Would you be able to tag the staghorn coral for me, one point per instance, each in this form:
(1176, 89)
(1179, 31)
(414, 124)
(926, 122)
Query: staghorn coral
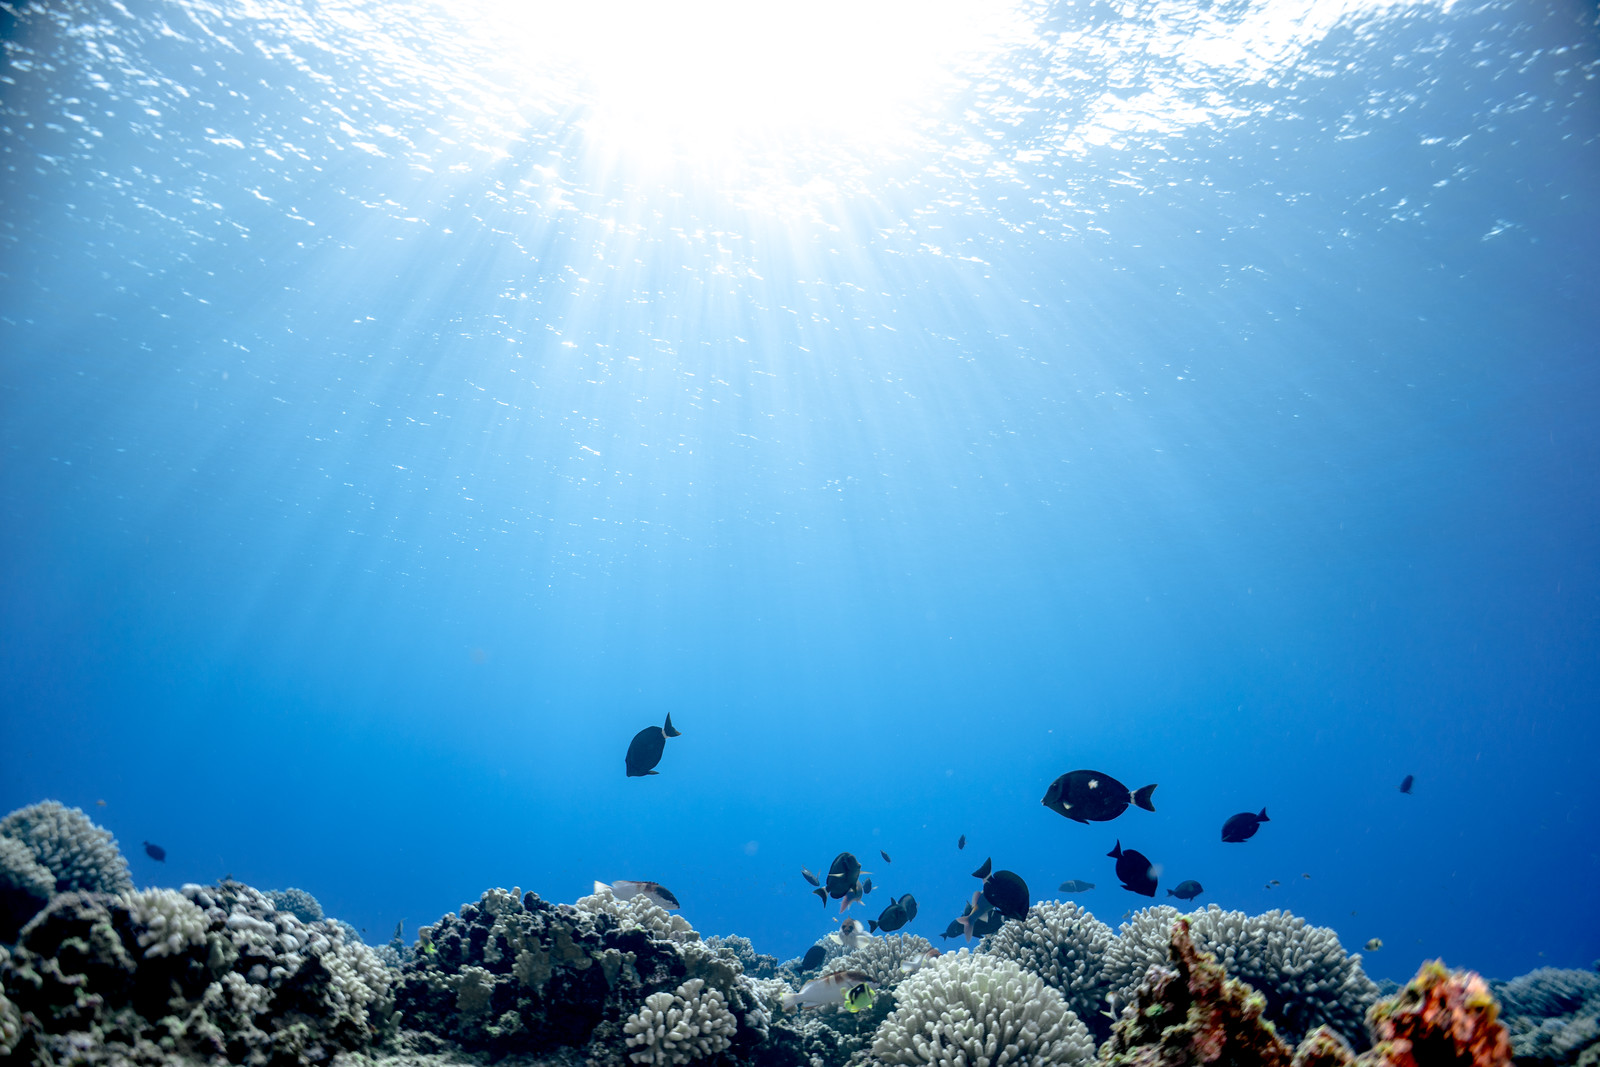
(205, 973)
(977, 1009)
(674, 1028)
(1441, 1018)
(79, 854)
(1064, 945)
(1301, 970)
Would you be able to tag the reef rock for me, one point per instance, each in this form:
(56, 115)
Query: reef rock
(203, 974)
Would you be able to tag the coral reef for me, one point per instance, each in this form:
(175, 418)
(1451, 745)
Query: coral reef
(298, 902)
(202, 973)
(881, 958)
(1441, 1018)
(755, 964)
(1553, 1016)
(25, 887)
(1066, 946)
(81, 855)
(673, 1028)
(513, 974)
(977, 1009)
(1303, 972)
(1190, 1012)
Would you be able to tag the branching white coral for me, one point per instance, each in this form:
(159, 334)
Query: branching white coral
(1301, 969)
(639, 912)
(675, 1028)
(1064, 945)
(169, 922)
(881, 958)
(963, 1009)
(78, 853)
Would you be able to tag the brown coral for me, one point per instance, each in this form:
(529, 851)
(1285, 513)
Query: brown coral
(1193, 1013)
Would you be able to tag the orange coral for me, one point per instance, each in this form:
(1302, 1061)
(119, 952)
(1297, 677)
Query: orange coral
(1441, 1019)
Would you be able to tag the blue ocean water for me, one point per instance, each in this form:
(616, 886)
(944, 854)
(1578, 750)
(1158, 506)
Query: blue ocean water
(405, 404)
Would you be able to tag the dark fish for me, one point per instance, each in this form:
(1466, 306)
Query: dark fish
(808, 876)
(866, 887)
(885, 856)
(1089, 796)
(1075, 886)
(644, 751)
(961, 842)
(1407, 782)
(814, 957)
(909, 903)
(1005, 890)
(1243, 826)
(822, 895)
(978, 919)
(155, 852)
(1137, 873)
(1187, 890)
(892, 918)
(843, 875)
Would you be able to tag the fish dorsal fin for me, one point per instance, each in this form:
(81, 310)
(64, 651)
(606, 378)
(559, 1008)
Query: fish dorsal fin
(667, 729)
(1263, 816)
(983, 872)
(1116, 851)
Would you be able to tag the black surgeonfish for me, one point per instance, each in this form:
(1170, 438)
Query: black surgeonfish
(885, 856)
(892, 918)
(1089, 796)
(909, 903)
(961, 842)
(979, 918)
(1187, 890)
(155, 852)
(644, 751)
(1243, 826)
(842, 876)
(1407, 782)
(814, 957)
(1005, 890)
(1136, 872)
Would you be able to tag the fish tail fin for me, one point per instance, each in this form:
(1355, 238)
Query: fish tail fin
(1170, 893)
(983, 872)
(1263, 816)
(822, 894)
(667, 729)
(790, 1000)
(1142, 797)
(1116, 851)
(600, 887)
(872, 926)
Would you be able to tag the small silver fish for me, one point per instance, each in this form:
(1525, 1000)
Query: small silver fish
(658, 894)
(829, 989)
(919, 961)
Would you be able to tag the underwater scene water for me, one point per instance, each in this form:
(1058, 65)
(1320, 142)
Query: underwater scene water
(408, 404)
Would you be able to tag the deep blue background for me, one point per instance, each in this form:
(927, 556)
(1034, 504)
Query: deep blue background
(357, 515)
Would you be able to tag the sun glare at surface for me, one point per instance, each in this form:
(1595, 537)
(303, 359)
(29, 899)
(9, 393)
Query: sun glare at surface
(717, 76)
